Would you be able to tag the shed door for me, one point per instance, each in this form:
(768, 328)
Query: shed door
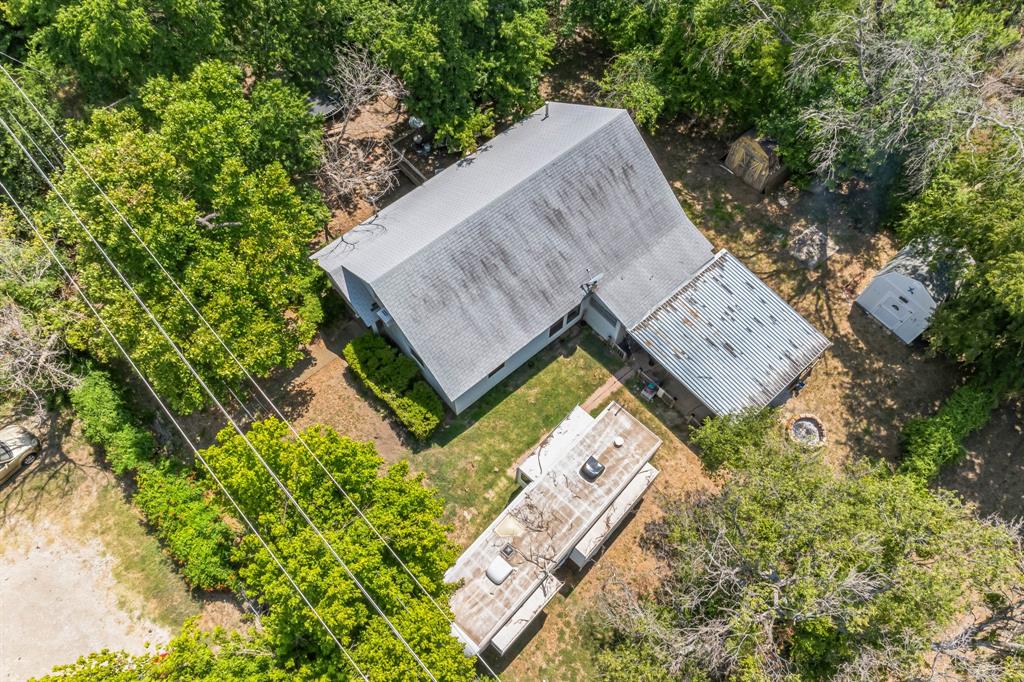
(893, 310)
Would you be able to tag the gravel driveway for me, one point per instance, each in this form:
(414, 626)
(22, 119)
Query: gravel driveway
(58, 600)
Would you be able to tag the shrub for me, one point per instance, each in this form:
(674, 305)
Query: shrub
(728, 439)
(107, 423)
(930, 443)
(188, 523)
(396, 380)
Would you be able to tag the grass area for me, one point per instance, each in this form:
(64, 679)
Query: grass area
(145, 576)
(469, 459)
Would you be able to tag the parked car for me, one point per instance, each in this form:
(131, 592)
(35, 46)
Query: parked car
(18, 449)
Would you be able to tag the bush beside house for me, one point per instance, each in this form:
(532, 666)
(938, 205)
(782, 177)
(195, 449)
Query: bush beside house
(396, 380)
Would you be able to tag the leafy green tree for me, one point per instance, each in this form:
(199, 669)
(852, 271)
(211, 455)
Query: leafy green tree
(226, 221)
(796, 571)
(400, 507)
(192, 656)
(973, 213)
(842, 85)
(466, 63)
(111, 45)
(40, 81)
(734, 439)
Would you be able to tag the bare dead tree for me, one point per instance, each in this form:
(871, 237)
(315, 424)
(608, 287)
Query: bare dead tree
(924, 98)
(358, 79)
(358, 169)
(352, 170)
(33, 364)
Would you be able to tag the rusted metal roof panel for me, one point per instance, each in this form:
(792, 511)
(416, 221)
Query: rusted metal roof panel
(728, 338)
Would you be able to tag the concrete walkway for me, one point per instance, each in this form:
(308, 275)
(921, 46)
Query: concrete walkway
(614, 383)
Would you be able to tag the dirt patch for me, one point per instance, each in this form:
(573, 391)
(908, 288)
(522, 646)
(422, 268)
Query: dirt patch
(319, 389)
(59, 600)
(992, 474)
(78, 571)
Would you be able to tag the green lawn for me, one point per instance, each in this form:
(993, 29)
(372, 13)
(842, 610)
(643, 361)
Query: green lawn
(468, 460)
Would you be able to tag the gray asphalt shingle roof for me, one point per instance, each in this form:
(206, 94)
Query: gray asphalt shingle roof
(918, 261)
(486, 255)
(731, 340)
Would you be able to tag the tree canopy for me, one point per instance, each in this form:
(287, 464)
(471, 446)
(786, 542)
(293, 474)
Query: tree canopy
(111, 45)
(203, 172)
(796, 571)
(467, 64)
(399, 506)
(842, 85)
(973, 215)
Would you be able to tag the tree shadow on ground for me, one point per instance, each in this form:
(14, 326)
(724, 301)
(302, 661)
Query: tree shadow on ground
(992, 474)
(893, 383)
(52, 478)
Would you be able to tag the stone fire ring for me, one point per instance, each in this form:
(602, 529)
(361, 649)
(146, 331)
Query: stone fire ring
(806, 429)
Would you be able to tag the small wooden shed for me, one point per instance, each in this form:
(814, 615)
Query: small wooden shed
(755, 160)
(904, 294)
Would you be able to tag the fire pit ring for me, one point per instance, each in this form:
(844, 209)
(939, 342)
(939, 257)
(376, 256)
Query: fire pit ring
(806, 429)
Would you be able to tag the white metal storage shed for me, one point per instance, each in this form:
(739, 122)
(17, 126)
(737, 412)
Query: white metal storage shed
(904, 294)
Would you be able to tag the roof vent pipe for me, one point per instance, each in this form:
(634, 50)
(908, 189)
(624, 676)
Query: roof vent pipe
(619, 441)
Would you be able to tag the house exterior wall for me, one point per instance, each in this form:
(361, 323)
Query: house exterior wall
(900, 303)
(394, 332)
(602, 321)
(512, 364)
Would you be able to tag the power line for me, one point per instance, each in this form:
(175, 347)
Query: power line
(167, 411)
(235, 359)
(181, 356)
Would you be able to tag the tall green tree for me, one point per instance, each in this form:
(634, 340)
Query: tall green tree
(39, 79)
(796, 571)
(112, 45)
(400, 507)
(972, 213)
(466, 63)
(843, 85)
(204, 173)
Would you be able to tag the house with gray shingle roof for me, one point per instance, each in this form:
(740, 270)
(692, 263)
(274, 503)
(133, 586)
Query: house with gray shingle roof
(563, 218)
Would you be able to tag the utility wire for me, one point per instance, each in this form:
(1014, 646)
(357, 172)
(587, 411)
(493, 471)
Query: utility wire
(181, 356)
(237, 362)
(252, 528)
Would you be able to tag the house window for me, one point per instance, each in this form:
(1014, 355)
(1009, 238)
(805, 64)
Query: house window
(556, 327)
(495, 370)
(573, 314)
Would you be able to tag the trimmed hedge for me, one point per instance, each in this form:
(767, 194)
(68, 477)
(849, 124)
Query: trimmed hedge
(930, 443)
(107, 423)
(189, 525)
(396, 380)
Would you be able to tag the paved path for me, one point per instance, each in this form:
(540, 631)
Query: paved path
(614, 383)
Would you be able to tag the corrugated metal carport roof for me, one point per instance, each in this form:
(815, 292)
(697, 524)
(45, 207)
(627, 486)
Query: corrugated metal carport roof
(728, 338)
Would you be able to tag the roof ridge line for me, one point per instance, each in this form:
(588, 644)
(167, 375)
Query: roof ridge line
(516, 185)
